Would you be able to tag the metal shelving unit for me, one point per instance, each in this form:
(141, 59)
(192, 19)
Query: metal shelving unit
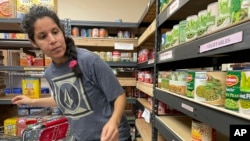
(103, 24)
(192, 55)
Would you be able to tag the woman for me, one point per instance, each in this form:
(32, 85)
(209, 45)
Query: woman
(84, 87)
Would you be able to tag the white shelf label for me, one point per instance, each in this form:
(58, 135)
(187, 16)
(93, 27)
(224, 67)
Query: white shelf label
(222, 42)
(187, 107)
(166, 55)
(146, 115)
(124, 46)
(174, 6)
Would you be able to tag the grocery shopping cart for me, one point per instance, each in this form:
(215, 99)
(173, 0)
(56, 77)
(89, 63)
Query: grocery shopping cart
(54, 128)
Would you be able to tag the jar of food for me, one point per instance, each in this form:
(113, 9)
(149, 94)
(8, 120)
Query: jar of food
(102, 32)
(95, 32)
(75, 32)
(116, 56)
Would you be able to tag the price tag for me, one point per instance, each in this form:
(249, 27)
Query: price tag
(124, 46)
(222, 42)
(146, 115)
(174, 6)
(187, 107)
(166, 55)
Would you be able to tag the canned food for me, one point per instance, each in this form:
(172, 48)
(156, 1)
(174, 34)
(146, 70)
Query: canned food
(95, 32)
(126, 34)
(75, 32)
(83, 33)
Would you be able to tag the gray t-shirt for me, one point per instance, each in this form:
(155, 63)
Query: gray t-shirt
(87, 102)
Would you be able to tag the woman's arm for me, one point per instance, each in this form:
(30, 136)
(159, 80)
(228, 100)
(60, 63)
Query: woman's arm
(119, 107)
(110, 131)
(40, 102)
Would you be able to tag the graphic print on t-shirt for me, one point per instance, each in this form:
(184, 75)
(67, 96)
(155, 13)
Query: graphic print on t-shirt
(70, 95)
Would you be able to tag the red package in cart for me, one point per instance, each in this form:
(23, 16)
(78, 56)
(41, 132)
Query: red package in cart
(24, 123)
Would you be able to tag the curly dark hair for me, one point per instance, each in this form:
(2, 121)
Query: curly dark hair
(37, 12)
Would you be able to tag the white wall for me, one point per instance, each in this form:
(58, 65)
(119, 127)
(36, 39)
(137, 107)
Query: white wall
(102, 10)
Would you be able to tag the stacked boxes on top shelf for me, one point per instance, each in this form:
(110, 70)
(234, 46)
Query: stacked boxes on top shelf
(17, 8)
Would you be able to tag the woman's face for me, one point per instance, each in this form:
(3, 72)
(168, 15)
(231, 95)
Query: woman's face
(50, 39)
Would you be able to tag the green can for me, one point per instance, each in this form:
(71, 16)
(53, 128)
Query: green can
(233, 80)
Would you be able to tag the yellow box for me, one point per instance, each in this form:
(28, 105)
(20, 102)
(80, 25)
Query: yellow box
(23, 6)
(10, 126)
(31, 87)
(47, 60)
(7, 9)
(51, 4)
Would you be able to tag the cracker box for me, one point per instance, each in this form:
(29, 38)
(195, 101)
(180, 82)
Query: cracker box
(10, 126)
(31, 87)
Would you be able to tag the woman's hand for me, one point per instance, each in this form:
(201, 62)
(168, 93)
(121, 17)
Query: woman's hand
(110, 131)
(22, 99)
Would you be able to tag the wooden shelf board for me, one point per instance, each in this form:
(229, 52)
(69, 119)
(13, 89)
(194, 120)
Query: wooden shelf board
(103, 42)
(139, 139)
(147, 33)
(145, 130)
(145, 87)
(179, 125)
(127, 81)
(146, 104)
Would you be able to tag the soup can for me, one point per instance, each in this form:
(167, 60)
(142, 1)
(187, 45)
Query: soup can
(95, 32)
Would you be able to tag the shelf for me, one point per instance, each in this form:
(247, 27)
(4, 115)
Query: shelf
(209, 114)
(234, 52)
(139, 139)
(103, 42)
(149, 13)
(131, 100)
(122, 64)
(102, 24)
(147, 33)
(21, 68)
(13, 25)
(145, 130)
(145, 65)
(144, 102)
(130, 116)
(180, 9)
(7, 99)
(145, 87)
(10, 25)
(174, 127)
(14, 44)
(127, 81)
